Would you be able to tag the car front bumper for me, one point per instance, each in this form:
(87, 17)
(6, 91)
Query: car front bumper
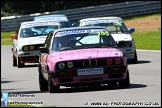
(109, 75)
(29, 56)
(128, 52)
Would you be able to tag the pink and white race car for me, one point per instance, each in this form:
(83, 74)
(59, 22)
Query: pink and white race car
(81, 56)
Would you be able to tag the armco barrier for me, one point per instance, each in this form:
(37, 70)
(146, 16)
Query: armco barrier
(124, 9)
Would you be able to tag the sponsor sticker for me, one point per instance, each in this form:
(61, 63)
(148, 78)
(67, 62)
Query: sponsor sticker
(69, 32)
(39, 24)
(56, 18)
(90, 71)
(101, 21)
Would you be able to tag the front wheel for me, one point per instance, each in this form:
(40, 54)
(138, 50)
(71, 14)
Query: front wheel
(19, 64)
(135, 60)
(125, 83)
(14, 61)
(51, 87)
(43, 84)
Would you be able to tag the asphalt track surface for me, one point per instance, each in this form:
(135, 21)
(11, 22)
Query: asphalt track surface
(145, 87)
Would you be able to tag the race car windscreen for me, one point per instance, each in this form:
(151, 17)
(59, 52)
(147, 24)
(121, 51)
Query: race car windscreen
(82, 38)
(113, 26)
(39, 30)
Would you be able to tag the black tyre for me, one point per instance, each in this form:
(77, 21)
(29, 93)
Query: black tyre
(51, 87)
(19, 64)
(125, 83)
(43, 84)
(14, 61)
(135, 60)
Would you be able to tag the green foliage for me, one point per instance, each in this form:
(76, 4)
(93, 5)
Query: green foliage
(12, 8)
(6, 34)
(148, 40)
(7, 41)
(6, 38)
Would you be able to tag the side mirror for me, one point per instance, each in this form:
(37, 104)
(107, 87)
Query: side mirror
(14, 36)
(131, 30)
(74, 24)
(43, 49)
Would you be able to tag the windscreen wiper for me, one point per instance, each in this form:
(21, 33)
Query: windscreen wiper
(104, 45)
(71, 48)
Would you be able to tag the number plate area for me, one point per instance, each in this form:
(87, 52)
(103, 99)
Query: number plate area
(90, 71)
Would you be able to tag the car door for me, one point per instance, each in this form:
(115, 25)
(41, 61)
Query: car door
(43, 56)
(15, 41)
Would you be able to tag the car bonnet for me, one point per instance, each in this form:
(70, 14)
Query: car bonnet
(32, 40)
(122, 37)
(80, 54)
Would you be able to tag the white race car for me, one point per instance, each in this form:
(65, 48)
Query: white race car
(27, 39)
(119, 31)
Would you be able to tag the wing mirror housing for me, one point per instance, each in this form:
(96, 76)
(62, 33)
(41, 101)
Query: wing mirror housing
(74, 24)
(131, 30)
(43, 49)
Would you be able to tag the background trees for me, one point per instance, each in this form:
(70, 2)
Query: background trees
(10, 8)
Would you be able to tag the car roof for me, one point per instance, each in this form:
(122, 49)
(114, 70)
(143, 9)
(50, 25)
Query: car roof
(52, 17)
(55, 15)
(99, 18)
(81, 27)
(27, 22)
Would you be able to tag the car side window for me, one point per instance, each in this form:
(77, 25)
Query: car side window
(78, 23)
(48, 40)
(17, 29)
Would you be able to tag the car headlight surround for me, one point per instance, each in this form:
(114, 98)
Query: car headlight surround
(25, 48)
(109, 61)
(70, 64)
(117, 61)
(31, 47)
(61, 65)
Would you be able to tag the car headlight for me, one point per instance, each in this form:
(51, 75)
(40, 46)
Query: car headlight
(31, 47)
(70, 64)
(117, 61)
(109, 61)
(25, 48)
(61, 65)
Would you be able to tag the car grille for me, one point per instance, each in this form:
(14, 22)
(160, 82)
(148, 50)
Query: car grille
(88, 63)
(37, 46)
(91, 63)
(122, 44)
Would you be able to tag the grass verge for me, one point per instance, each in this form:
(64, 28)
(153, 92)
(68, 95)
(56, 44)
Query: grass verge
(147, 40)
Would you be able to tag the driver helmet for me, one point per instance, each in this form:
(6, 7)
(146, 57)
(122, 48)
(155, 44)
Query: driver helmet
(28, 32)
(65, 41)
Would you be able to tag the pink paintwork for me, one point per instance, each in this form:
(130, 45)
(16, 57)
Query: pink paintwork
(80, 54)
